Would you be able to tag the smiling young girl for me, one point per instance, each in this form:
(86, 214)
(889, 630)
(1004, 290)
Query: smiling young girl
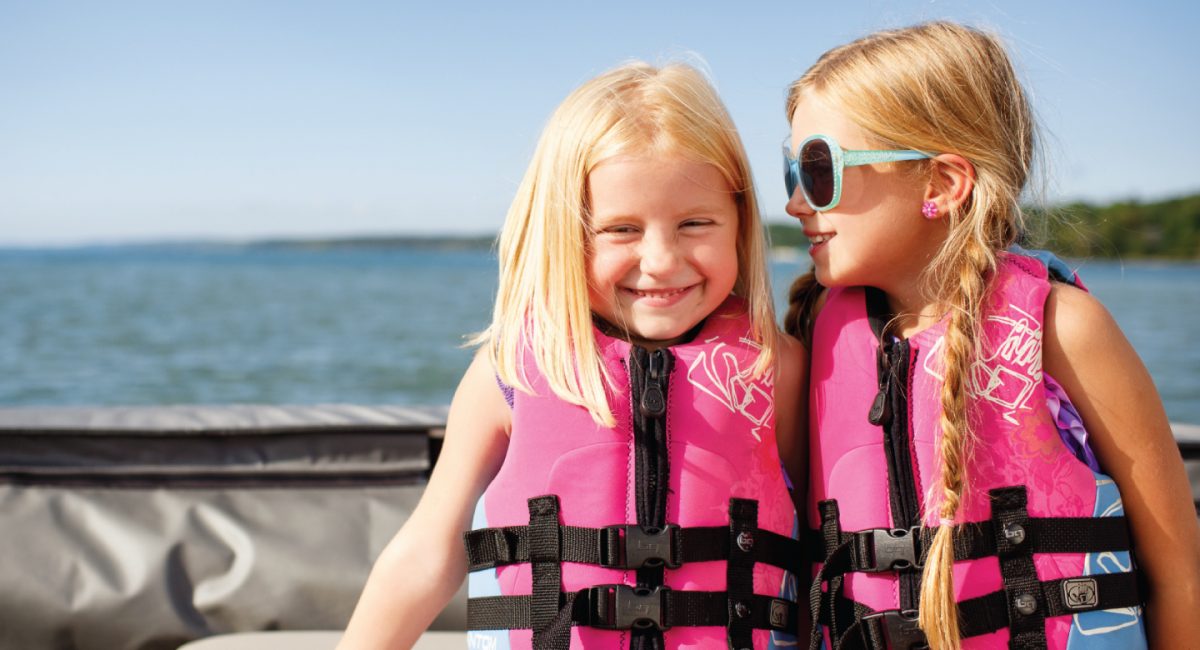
(986, 447)
(617, 438)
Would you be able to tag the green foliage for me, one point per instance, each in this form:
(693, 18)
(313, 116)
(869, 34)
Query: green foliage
(786, 235)
(1129, 229)
(1166, 229)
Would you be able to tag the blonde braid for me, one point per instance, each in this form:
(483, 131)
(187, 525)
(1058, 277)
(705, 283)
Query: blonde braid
(938, 607)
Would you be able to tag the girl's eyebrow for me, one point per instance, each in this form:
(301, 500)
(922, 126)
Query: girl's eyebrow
(700, 209)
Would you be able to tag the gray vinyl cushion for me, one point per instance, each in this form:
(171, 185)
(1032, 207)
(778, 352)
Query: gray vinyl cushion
(145, 528)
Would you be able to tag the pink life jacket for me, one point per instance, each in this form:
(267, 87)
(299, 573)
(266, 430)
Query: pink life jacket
(675, 526)
(1044, 561)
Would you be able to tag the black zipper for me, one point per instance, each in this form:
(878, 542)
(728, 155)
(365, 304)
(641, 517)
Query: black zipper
(893, 388)
(649, 381)
(890, 410)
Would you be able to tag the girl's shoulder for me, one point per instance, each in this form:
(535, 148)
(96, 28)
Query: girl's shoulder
(1075, 321)
(481, 400)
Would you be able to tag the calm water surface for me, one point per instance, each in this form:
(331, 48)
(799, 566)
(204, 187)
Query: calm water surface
(159, 326)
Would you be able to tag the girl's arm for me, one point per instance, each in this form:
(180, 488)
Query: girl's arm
(1128, 430)
(422, 567)
(791, 433)
(791, 412)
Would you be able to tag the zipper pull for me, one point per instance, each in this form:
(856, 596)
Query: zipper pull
(654, 401)
(881, 412)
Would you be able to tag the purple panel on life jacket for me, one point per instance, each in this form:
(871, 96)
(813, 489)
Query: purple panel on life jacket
(1069, 424)
(506, 389)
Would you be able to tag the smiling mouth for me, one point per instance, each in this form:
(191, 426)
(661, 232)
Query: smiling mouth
(658, 293)
(816, 239)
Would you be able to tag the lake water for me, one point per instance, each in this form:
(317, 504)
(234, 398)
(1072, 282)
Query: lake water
(138, 326)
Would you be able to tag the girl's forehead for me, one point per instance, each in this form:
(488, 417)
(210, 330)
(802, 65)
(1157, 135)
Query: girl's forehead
(653, 173)
(625, 186)
(815, 115)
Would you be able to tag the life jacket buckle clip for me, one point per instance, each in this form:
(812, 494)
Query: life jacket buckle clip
(639, 547)
(896, 549)
(622, 607)
(899, 629)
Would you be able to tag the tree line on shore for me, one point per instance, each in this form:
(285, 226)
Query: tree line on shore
(1168, 229)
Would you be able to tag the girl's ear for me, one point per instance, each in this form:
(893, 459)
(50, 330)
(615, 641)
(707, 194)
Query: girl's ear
(951, 181)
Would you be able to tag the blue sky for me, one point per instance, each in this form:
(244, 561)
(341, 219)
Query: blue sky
(125, 121)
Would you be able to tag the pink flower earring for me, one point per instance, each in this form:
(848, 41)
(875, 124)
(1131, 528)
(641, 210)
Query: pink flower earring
(929, 209)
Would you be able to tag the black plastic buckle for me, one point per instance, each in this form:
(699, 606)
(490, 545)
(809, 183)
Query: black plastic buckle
(894, 550)
(644, 547)
(621, 607)
(899, 629)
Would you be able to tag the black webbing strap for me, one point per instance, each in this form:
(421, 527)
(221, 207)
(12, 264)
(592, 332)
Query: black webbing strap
(630, 546)
(822, 604)
(739, 570)
(545, 557)
(621, 607)
(834, 564)
(876, 548)
(893, 629)
(1011, 534)
(1026, 611)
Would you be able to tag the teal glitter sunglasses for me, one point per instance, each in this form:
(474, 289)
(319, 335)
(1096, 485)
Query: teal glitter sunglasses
(817, 170)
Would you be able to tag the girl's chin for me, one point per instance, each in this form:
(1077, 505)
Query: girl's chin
(822, 275)
(654, 340)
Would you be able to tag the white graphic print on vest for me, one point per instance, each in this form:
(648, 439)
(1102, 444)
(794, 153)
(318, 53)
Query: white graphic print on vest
(718, 373)
(1009, 374)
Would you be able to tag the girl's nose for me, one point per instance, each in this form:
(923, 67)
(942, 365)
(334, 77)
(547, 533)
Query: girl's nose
(797, 206)
(659, 254)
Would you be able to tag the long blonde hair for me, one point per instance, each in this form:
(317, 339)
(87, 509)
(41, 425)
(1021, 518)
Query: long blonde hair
(946, 88)
(542, 299)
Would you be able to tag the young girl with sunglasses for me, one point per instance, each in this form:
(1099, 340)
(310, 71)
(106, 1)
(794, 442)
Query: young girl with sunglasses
(616, 436)
(986, 447)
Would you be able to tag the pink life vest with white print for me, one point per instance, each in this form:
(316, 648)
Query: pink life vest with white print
(1042, 547)
(674, 526)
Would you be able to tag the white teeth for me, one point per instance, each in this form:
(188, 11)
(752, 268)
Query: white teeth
(658, 294)
(819, 239)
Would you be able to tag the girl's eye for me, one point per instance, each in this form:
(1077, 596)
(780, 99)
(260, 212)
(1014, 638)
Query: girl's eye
(697, 223)
(619, 230)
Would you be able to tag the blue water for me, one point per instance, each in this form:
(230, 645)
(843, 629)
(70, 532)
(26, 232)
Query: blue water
(107, 327)
(127, 326)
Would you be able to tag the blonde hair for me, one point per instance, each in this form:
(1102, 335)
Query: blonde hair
(542, 298)
(945, 88)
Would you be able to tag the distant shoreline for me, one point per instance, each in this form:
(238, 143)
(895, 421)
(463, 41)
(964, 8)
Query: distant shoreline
(787, 245)
(383, 242)
(1161, 231)
(447, 243)
(1166, 230)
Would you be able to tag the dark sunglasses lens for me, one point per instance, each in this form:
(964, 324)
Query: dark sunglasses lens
(816, 171)
(790, 179)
